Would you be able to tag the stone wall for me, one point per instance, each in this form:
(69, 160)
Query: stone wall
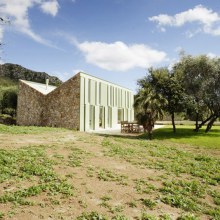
(63, 105)
(60, 108)
(30, 106)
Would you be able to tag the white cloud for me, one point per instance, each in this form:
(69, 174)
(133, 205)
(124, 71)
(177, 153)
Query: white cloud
(212, 55)
(118, 56)
(206, 18)
(17, 11)
(50, 7)
(162, 19)
(215, 31)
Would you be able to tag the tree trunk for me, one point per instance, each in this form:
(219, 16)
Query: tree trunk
(150, 135)
(149, 129)
(209, 125)
(203, 122)
(197, 122)
(173, 122)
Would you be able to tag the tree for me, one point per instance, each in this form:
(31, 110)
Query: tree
(148, 106)
(166, 84)
(9, 102)
(212, 97)
(199, 77)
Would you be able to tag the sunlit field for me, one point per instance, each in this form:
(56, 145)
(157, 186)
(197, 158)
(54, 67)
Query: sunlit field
(186, 135)
(52, 173)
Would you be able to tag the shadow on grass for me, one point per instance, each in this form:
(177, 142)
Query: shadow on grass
(167, 133)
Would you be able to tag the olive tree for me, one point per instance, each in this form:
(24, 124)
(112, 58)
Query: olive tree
(199, 76)
(168, 86)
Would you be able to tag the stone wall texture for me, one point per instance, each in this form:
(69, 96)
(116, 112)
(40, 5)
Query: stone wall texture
(60, 108)
(30, 106)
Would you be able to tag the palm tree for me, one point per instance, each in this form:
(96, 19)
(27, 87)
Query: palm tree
(148, 106)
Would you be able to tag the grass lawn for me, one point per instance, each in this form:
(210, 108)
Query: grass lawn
(52, 173)
(4, 129)
(186, 135)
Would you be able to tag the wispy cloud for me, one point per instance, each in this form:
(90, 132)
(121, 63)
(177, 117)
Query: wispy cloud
(68, 37)
(1, 33)
(207, 20)
(18, 12)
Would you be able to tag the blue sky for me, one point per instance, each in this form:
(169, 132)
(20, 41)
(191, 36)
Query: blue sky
(116, 40)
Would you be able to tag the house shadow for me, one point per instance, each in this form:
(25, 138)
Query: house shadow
(184, 133)
(126, 136)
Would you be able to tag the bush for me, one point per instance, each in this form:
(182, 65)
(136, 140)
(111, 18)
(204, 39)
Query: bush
(7, 120)
(8, 103)
(9, 111)
(9, 99)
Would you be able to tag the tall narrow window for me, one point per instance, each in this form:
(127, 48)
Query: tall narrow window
(113, 96)
(119, 97)
(89, 90)
(107, 95)
(101, 117)
(109, 117)
(96, 93)
(100, 91)
(91, 117)
(110, 95)
(120, 115)
(128, 99)
(116, 96)
(125, 95)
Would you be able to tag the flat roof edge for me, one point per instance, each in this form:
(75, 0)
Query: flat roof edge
(83, 73)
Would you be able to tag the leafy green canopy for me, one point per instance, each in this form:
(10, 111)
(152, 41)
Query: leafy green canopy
(190, 87)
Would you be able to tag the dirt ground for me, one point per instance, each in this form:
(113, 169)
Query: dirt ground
(93, 190)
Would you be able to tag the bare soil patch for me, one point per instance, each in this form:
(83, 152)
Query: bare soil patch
(112, 176)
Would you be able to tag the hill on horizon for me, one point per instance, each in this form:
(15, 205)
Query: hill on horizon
(9, 77)
(11, 73)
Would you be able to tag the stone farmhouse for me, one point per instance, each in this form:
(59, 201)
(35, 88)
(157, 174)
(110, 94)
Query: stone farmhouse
(84, 103)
